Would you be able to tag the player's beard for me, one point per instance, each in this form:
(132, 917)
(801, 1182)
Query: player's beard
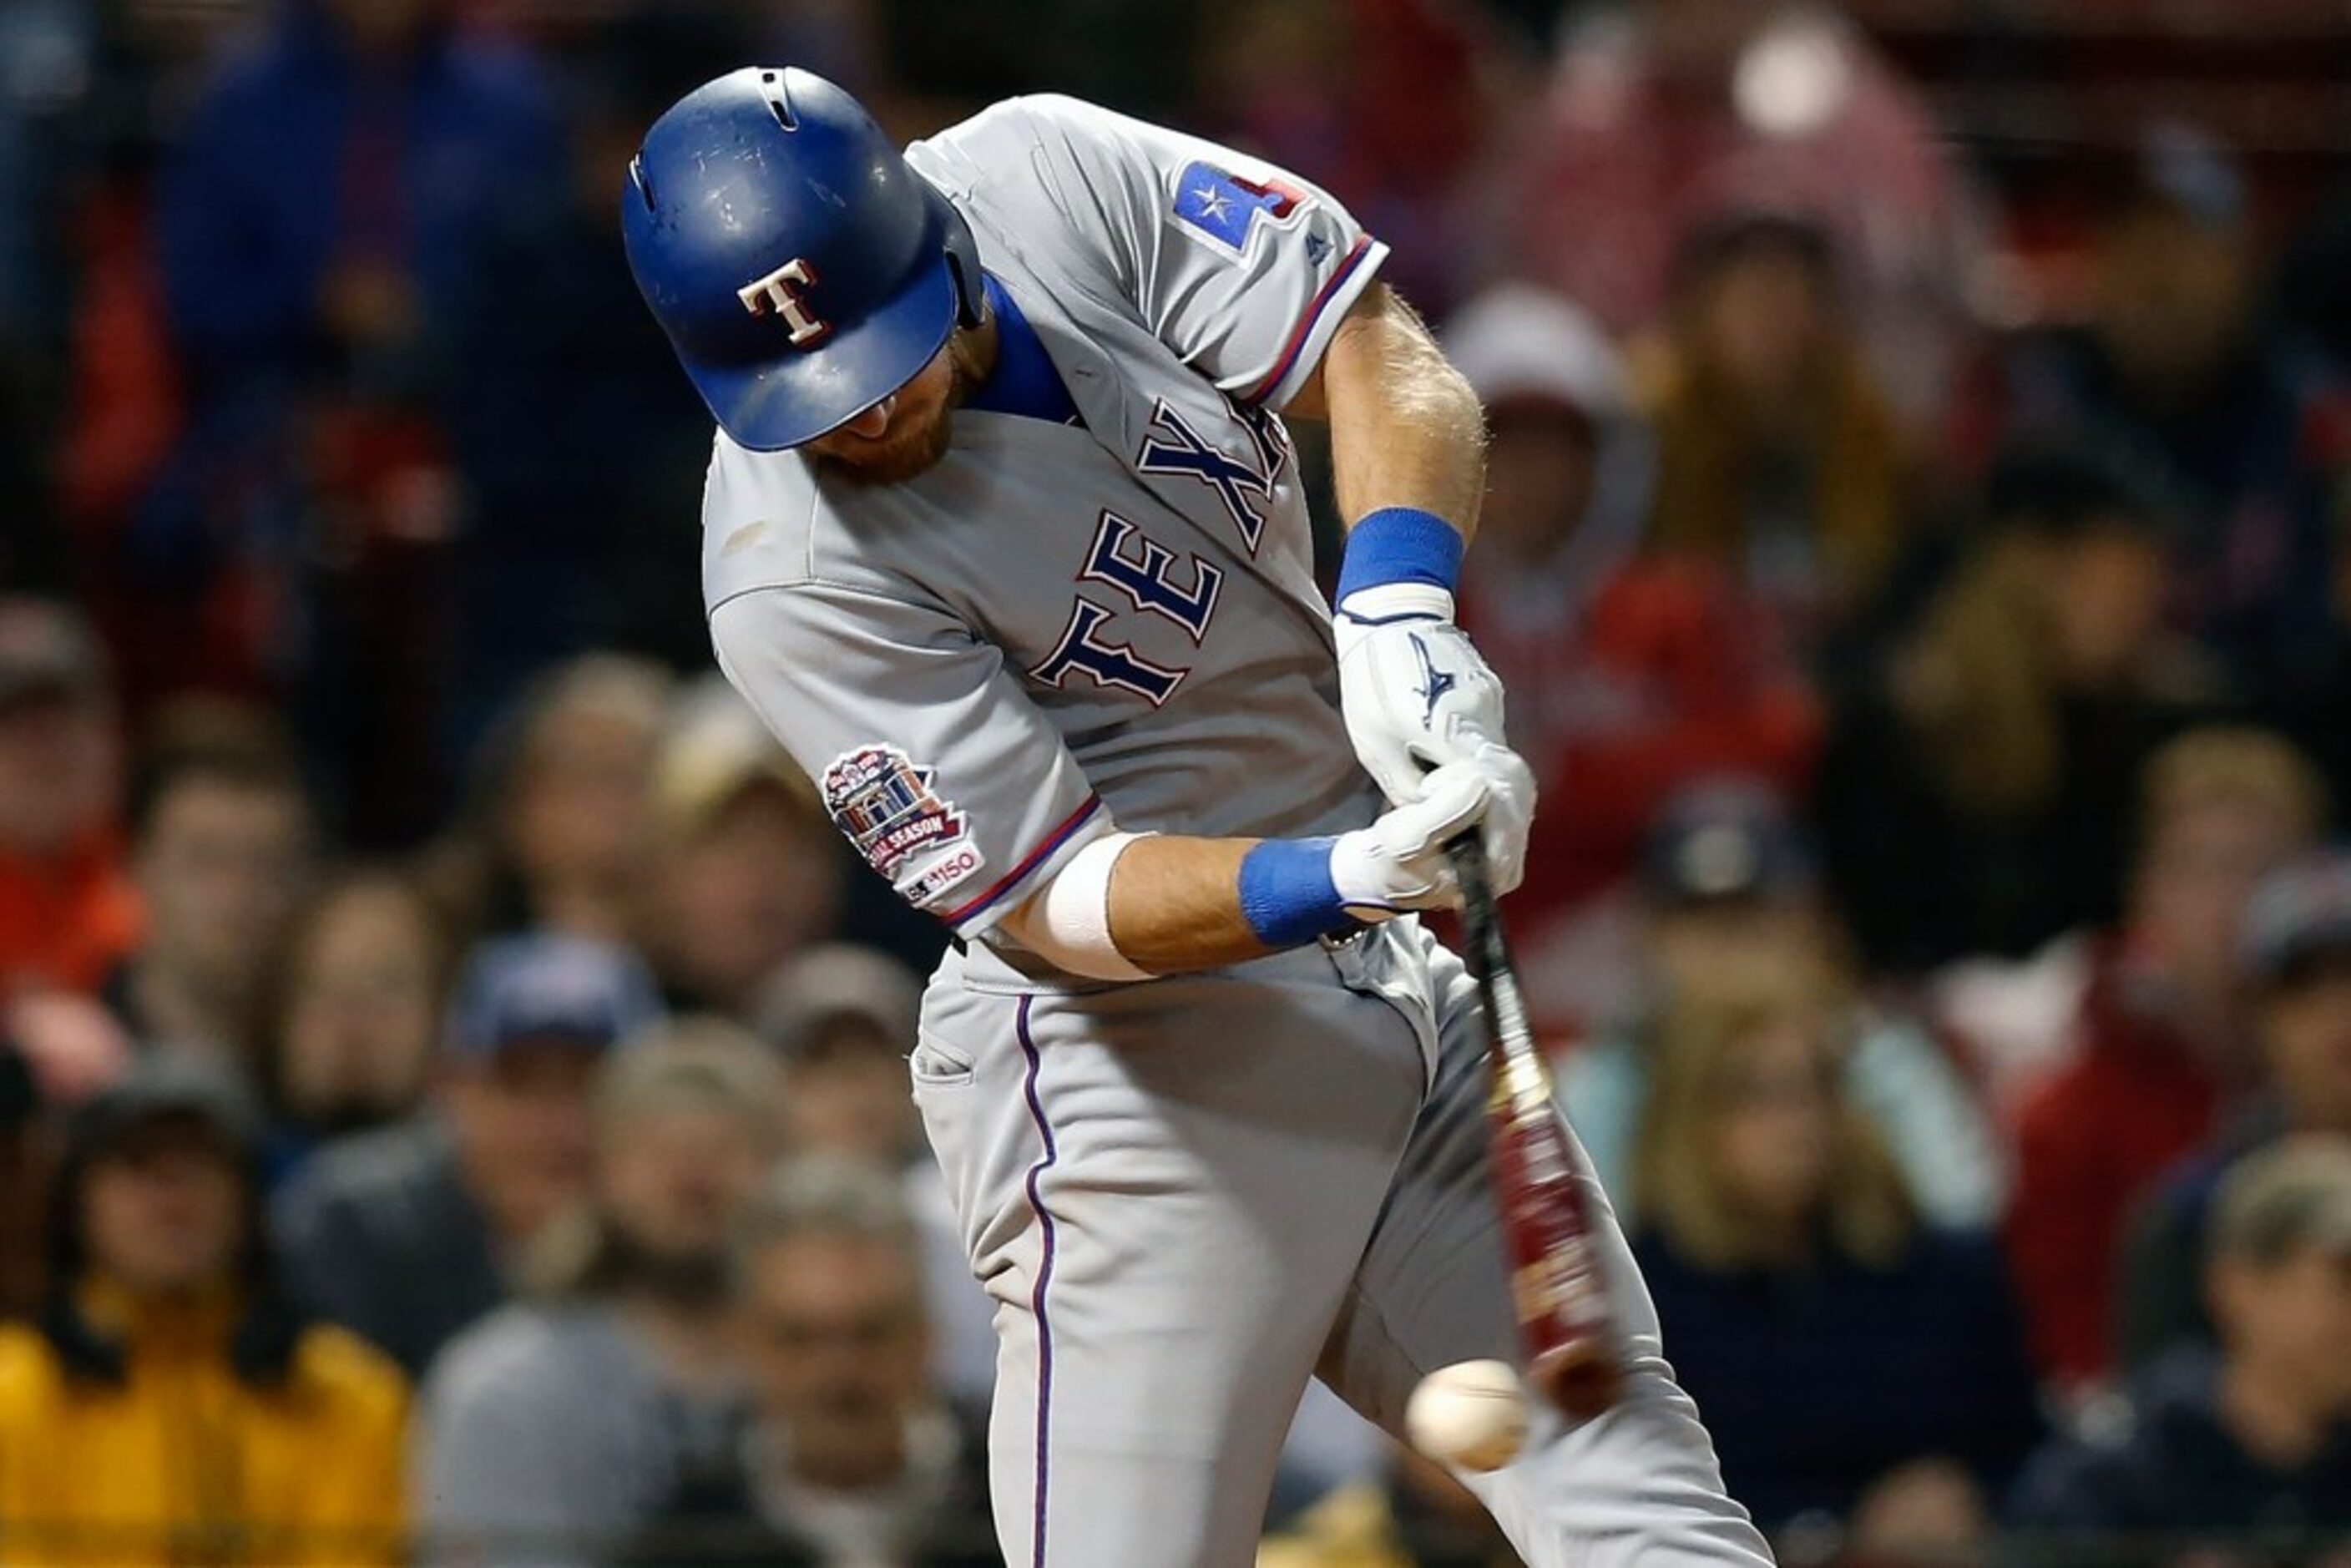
(910, 449)
(915, 445)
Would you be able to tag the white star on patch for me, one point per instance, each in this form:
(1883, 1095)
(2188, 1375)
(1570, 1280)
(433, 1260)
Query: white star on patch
(1214, 204)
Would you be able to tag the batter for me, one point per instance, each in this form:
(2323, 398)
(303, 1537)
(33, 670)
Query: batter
(1005, 539)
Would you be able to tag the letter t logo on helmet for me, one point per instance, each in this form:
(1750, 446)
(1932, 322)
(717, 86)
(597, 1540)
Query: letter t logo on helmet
(779, 178)
(780, 292)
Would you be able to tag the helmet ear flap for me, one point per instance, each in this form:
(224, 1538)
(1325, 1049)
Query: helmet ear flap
(963, 265)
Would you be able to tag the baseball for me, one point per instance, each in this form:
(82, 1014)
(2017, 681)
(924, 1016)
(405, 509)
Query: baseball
(1472, 1414)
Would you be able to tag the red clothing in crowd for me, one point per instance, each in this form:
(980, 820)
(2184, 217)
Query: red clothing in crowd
(1629, 151)
(1664, 675)
(64, 924)
(1390, 124)
(2135, 1097)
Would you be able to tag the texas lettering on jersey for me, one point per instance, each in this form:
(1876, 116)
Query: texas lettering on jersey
(1142, 571)
(1174, 446)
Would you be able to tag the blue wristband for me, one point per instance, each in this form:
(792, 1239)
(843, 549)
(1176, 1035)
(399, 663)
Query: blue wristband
(1401, 544)
(1286, 895)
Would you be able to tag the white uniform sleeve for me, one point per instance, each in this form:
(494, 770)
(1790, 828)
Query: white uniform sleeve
(1241, 268)
(928, 755)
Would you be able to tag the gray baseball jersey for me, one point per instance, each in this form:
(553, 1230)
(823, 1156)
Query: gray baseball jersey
(1187, 1196)
(1059, 625)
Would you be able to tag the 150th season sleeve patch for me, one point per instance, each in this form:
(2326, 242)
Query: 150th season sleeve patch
(885, 802)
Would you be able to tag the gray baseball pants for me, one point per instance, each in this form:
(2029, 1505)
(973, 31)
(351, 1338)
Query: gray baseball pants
(1188, 1197)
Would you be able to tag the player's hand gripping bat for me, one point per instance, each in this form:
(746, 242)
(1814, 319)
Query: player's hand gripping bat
(1556, 1284)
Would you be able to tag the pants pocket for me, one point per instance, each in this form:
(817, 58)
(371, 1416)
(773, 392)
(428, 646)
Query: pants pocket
(935, 1064)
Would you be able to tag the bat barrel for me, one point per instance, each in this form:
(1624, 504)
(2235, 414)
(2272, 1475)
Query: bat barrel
(1557, 1288)
(1580, 1379)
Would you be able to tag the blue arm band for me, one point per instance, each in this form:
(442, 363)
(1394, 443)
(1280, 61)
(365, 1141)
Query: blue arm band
(1401, 544)
(1286, 895)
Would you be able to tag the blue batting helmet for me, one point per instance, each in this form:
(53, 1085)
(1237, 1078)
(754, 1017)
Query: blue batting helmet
(802, 270)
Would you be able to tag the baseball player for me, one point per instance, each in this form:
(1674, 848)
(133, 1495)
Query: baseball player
(1005, 539)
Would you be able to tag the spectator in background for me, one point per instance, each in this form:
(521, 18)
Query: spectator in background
(556, 834)
(2176, 365)
(45, 91)
(1631, 672)
(409, 1234)
(572, 542)
(2296, 953)
(1389, 102)
(1729, 891)
(557, 1425)
(2158, 1039)
(1967, 795)
(1850, 1361)
(2308, 701)
(747, 867)
(322, 200)
(2252, 1445)
(22, 1183)
(49, 45)
(851, 1456)
(67, 912)
(842, 1019)
(1779, 459)
(350, 1018)
(320, 218)
(1661, 113)
(221, 841)
(170, 1398)
(58, 1052)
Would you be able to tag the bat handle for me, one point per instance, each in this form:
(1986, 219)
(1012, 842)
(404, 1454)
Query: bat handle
(1467, 850)
(1480, 922)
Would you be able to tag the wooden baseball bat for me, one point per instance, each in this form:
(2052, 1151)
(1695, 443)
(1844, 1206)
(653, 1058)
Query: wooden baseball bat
(1556, 1285)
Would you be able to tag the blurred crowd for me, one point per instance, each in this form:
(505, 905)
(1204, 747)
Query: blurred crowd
(453, 1102)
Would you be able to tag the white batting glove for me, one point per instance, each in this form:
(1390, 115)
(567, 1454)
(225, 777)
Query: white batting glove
(1399, 861)
(1416, 694)
(1386, 675)
(1511, 815)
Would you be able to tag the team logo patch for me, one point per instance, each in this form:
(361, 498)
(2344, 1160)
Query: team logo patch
(1221, 207)
(885, 802)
